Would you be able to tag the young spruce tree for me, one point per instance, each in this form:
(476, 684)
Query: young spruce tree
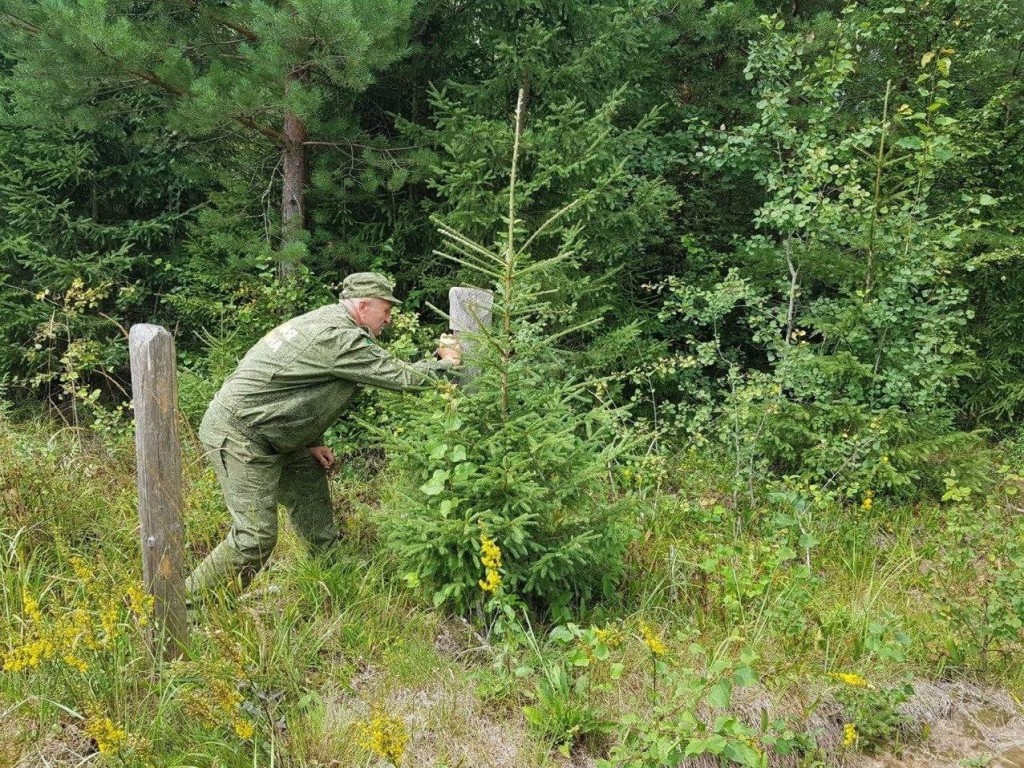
(518, 456)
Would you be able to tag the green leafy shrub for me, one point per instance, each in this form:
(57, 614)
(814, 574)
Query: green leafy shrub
(805, 360)
(978, 586)
(696, 716)
(575, 668)
(872, 714)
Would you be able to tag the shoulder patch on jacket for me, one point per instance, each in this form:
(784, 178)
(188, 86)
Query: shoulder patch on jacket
(280, 336)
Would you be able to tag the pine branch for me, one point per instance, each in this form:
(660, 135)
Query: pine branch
(152, 78)
(469, 245)
(22, 24)
(245, 32)
(566, 331)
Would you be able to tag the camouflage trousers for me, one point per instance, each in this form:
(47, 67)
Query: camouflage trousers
(255, 480)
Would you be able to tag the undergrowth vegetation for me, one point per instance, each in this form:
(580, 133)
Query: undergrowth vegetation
(790, 629)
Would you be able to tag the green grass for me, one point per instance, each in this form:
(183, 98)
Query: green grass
(285, 675)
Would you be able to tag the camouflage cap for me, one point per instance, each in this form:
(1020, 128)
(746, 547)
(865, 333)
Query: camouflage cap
(368, 285)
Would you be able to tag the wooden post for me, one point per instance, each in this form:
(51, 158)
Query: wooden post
(469, 310)
(158, 457)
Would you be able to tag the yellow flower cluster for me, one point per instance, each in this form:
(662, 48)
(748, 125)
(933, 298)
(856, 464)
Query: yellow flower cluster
(77, 663)
(211, 693)
(112, 739)
(490, 556)
(32, 612)
(94, 618)
(82, 571)
(610, 636)
(140, 603)
(28, 656)
(243, 728)
(215, 703)
(849, 735)
(853, 679)
(218, 704)
(651, 640)
(383, 735)
(108, 737)
(869, 500)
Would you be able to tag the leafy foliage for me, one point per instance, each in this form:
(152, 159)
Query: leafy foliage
(839, 338)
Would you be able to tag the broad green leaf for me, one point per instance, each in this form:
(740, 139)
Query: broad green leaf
(742, 753)
(435, 484)
(721, 694)
(744, 676)
(696, 747)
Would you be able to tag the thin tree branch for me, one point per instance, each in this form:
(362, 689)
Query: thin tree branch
(245, 32)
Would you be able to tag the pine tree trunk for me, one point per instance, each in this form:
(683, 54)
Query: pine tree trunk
(293, 193)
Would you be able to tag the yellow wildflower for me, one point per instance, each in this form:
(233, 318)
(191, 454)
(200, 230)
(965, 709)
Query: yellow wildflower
(140, 603)
(383, 735)
(868, 501)
(108, 737)
(492, 582)
(28, 656)
(225, 697)
(651, 640)
(32, 612)
(849, 735)
(109, 622)
(75, 662)
(610, 636)
(76, 627)
(853, 679)
(82, 571)
(490, 557)
(243, 728)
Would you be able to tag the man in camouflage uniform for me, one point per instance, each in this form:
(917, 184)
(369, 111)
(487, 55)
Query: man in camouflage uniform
(264, 429)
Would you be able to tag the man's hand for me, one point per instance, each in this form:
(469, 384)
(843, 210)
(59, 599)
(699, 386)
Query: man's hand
(449, 349)
(450, 353)
(323, 454)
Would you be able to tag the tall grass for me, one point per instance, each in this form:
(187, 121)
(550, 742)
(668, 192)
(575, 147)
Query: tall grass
(323, 651)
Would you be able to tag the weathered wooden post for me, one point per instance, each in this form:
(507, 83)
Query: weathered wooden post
(469, 310)
(158, 457)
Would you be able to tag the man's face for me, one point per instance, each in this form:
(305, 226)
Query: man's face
(375, 314)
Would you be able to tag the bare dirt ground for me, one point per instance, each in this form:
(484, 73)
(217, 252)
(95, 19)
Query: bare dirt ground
(968, 727)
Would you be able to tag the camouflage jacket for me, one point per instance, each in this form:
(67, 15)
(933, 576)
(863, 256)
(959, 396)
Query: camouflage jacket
(296, 381)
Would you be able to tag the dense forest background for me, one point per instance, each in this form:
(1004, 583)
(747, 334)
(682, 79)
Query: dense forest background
(805, 218)
(749, 417)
